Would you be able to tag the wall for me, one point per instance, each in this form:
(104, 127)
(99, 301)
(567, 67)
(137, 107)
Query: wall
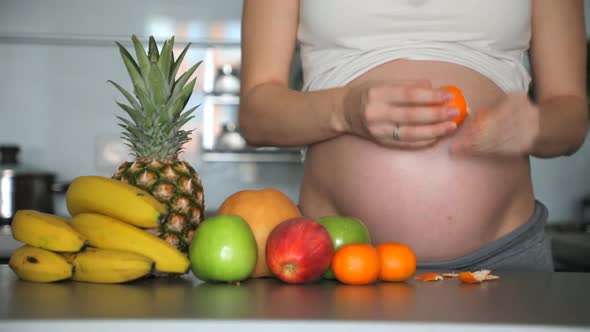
(55, 59)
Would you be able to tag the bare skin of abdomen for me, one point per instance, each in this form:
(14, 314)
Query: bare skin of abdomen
(443, 205)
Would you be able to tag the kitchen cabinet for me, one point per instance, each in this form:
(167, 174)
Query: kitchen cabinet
(519, 301)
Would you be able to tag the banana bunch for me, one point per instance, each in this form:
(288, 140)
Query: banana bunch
(105, 241)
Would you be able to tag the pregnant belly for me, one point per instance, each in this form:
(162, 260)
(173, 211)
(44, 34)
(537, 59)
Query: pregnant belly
(444, 206)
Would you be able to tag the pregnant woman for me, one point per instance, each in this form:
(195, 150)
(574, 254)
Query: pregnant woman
(380, 143)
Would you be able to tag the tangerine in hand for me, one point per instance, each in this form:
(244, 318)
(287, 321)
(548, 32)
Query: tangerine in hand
(458, 102)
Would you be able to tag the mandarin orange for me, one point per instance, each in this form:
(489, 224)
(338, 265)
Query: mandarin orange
(356, 264)
(458, 102)
(397, 261)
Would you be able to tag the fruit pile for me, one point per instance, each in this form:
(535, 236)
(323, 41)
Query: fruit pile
(280, 242)
(104, 241)
(110, 238)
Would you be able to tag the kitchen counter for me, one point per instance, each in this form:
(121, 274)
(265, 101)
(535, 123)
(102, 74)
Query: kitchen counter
(517, 302)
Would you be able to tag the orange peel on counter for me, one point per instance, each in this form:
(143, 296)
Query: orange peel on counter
(477, 277)
(468, 277)
(429, 276)
(450, 275)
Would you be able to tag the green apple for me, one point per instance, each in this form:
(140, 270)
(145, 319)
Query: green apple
(344, 230)
(223, 248)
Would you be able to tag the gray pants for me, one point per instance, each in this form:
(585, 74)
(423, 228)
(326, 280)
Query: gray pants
(524, 249)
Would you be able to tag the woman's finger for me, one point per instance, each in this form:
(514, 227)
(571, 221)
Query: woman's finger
(422, 115)
(418, 83)
(406, 133)
(424, 132)
(402, 94)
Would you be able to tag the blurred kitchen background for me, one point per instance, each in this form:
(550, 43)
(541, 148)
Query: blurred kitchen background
(56, 106)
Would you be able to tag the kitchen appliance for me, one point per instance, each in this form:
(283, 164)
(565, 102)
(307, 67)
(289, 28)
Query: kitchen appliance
(227, 81)
(23, 187)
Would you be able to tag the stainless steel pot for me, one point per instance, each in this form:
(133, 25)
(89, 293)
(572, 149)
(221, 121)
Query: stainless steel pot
(22, 187)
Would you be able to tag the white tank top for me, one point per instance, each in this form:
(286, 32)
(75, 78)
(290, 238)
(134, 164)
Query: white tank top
(342, 39)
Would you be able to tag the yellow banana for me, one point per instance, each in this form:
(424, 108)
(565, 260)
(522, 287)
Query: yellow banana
(39, 265)
(46, 231)
(109, 233)
(108, 265)
(114, 198)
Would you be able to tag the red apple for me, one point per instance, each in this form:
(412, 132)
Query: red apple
(299, 250)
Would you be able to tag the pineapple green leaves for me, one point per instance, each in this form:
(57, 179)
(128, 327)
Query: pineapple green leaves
(157, 112)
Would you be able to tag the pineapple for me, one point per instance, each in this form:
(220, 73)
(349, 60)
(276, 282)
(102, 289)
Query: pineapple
(154, 136)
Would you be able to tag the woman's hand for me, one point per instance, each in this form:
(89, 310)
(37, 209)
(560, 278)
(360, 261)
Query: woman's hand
(403, 115)
(507, 129)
